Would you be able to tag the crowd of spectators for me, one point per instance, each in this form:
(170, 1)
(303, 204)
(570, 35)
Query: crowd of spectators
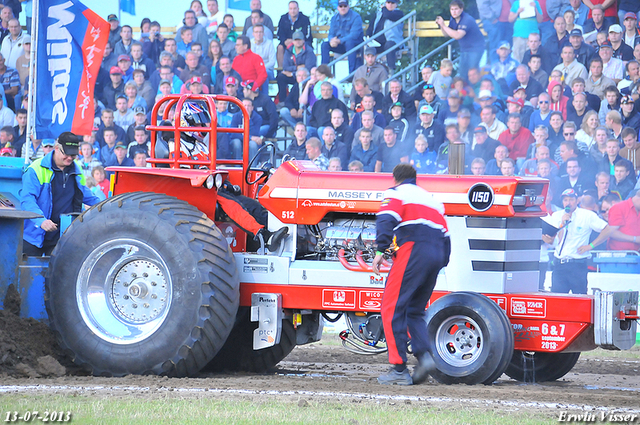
(557, 97)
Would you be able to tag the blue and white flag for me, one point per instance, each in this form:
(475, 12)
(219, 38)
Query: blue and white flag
(70, 45)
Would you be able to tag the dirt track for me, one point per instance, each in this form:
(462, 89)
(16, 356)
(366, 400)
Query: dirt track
(31, 362)
(328, 371)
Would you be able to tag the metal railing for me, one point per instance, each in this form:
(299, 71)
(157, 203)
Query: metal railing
(414, 68)
(410, 39)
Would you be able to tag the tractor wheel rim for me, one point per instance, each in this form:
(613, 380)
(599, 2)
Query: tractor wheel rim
(459, 341)
(124, 291)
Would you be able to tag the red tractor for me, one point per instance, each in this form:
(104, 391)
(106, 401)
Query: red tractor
(157, 280)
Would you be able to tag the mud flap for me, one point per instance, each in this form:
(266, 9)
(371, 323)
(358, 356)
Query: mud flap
(266, 309)
(610, 331)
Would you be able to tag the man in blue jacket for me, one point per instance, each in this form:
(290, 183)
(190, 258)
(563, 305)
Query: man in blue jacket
(345, 33)
(52, 186)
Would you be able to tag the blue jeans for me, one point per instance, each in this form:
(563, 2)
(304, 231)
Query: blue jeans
(264, 129)
(270, 77)
(315, 132)
(341, 48)
(236, 146)
(392, 56)
(285, 114)
(505, 33)
(468, 60)
(493, 38)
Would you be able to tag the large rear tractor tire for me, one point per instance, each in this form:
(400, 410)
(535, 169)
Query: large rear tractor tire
(238, 354)
(471, 339)
(142, 283)
(540, 366)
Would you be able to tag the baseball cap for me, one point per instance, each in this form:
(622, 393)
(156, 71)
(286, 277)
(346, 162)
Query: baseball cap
(124, 58)
(518, 102)
(630, 15)
(615, 28)
(195, 80)
(164, 82)
(116, 70)
(69, 142)
(139, 110)
(230, 81)
(6, 152)
(480, 129)
(464, 113)
(606, 43)
(454, 93)
(340, 2)
(426, 109)
(48, 142)
(576, 32)
(112, 17)
(626, 99)
(121, 144)
(396, 104)
(569, 192)
(26, 39)
(248, 84)
(370, 51)
(504, 45)
(297, 35)
(485, 94)
(122, 96)
(517, 89)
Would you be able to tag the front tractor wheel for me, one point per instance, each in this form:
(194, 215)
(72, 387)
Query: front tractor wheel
(471, 339)
(142, 283)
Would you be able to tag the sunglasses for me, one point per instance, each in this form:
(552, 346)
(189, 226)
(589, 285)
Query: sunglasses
(543, 101)
(569, 134)
(343, 5)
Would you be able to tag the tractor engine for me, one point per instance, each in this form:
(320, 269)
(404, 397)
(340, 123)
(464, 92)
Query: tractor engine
(354, 235)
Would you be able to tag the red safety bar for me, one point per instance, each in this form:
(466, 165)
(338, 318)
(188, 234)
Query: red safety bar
(176, 100)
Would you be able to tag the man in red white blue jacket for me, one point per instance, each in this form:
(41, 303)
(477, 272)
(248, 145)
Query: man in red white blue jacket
(417, 221)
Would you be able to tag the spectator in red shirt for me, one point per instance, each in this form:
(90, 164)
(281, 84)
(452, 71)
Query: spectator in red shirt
(624, 221)
(516, 137)
(249, 65)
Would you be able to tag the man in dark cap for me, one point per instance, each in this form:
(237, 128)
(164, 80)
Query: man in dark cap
(298, 55)
(573, 227)
(114, 29)
(374, 72)
(583, 51)
(52, 186)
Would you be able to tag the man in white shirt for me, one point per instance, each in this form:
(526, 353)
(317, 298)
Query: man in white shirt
(7, 117)
(612, 67)
(494, 126)
(570, 67)
(123, 116)
(12, 44)
(576, 225)
(264, 48)
(216, 17)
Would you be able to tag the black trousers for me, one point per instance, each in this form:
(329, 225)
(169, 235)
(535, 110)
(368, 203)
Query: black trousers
(571, 276)
(31, 250)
